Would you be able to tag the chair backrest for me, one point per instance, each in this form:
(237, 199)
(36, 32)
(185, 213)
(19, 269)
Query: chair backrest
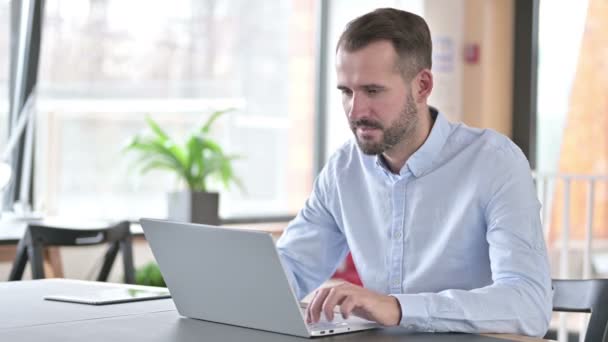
(585, 296)
(54, 235)
(40, 234)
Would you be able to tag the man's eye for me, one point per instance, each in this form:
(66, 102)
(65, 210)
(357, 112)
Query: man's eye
(346, 91)
(373, 91)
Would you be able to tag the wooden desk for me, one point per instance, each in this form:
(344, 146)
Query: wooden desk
(515, 337)
(24, 315)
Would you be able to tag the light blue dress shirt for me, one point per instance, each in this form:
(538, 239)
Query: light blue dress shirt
(455, 236)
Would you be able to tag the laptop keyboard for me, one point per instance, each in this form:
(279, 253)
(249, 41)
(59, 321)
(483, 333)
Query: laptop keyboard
(303, 306)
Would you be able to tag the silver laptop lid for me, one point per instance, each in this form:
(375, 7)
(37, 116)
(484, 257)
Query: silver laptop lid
(225, 275)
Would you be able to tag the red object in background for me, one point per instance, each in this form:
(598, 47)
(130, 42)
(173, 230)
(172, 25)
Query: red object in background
(348, 272)
(471, 53)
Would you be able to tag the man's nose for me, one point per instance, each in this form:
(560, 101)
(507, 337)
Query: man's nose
(359, 107)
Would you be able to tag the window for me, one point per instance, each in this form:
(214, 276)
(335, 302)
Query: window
(5, 12)
(559, 49)
(102, 71)
(571, 118)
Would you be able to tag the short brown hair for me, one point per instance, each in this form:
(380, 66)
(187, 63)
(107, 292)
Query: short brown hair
(408, 32)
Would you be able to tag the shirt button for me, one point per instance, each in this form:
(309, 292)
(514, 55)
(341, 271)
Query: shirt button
(395, 282)
(398, 235)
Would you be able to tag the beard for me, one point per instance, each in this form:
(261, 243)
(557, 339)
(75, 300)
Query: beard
(397, 132)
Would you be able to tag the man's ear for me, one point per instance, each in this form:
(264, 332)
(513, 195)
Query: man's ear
(422, 86)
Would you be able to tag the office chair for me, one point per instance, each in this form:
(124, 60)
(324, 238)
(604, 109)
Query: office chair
(39, 235)
(585, 296)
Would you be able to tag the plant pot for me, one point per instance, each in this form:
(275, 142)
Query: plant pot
(196, 207)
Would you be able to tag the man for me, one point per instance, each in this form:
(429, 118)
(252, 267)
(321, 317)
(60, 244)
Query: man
(442, 220)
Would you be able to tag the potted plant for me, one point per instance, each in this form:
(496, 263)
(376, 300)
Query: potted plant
(194, 162)
(149, 275)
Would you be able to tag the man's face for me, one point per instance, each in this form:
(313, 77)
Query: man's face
(377, 101)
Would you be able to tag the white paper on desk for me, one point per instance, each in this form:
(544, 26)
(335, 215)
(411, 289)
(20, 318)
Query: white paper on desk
(110, 296)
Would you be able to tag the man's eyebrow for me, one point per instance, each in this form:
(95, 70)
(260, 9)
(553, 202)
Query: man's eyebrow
(372, 85)
(364, 86)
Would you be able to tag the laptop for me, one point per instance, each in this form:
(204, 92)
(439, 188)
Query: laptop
(233, 277)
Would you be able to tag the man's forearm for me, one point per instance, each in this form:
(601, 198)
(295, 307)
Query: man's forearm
(499, 308)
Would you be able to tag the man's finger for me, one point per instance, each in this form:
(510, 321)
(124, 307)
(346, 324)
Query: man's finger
(308, 316)
(317, 304)
(334, 297)
(347, 306)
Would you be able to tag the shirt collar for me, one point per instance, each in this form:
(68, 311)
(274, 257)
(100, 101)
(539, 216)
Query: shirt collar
(422, 160)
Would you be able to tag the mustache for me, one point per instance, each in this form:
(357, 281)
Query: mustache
(366, 123)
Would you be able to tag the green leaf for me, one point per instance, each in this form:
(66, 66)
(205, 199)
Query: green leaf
(150, 275)
(156, 128)
(194, 162)
(157, 165)
(207, 125)
(175, 151)
(131, 143)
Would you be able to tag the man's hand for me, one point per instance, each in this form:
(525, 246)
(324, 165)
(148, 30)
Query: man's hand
(354, 300)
